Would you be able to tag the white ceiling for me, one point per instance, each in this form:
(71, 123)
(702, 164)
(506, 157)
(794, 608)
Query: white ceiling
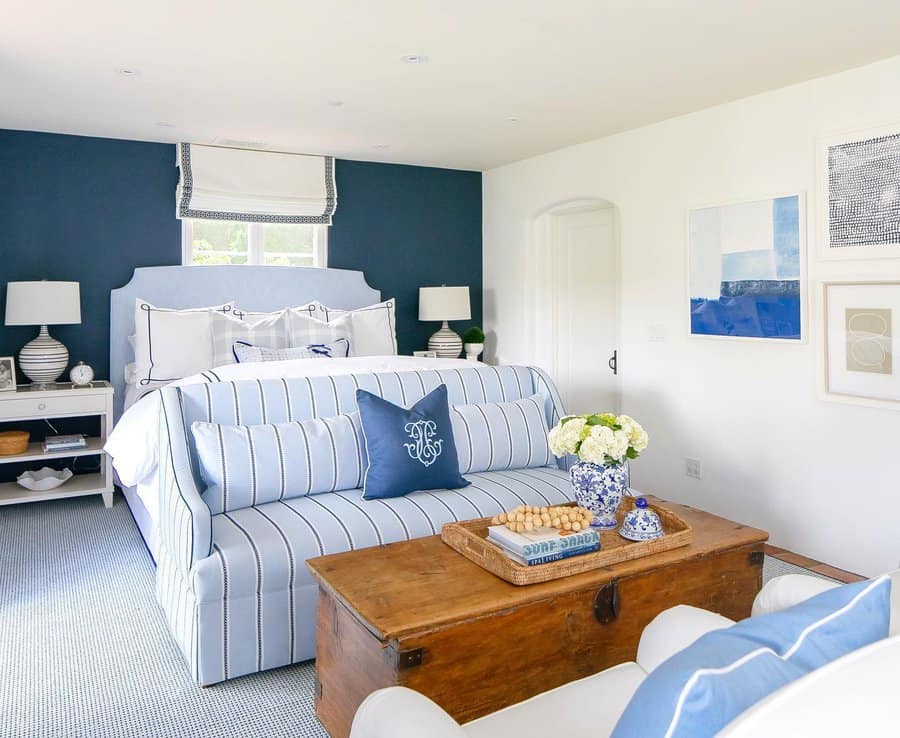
(569, 70)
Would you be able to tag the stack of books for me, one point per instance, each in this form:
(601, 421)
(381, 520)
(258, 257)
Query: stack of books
(53, 444)
(543, 545)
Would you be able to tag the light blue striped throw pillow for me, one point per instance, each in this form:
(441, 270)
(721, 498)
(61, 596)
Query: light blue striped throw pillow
(493, 436)
(245, 465)
(702, 688)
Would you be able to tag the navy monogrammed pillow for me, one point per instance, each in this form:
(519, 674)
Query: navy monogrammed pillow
(410, 449)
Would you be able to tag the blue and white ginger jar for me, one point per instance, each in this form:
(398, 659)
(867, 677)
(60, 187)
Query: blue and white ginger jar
(642, 523)
(600, 488)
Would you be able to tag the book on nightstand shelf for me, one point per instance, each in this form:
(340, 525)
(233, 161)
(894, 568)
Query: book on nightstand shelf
(64, 443)
(543, 545)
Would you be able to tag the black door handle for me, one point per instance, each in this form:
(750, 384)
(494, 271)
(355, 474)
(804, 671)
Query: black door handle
(614, 362)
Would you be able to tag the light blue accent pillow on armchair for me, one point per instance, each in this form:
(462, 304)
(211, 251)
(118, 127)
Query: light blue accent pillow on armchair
(408, 449)
(702, 688)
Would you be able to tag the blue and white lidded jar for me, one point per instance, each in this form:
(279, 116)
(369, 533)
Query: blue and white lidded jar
(642, 523)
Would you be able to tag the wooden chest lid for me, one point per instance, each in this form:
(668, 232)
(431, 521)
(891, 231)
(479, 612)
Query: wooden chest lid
(417, 585)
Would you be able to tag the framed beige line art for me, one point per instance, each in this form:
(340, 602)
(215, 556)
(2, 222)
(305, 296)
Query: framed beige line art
(862, 325)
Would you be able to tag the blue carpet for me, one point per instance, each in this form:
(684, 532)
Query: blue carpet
(84, 649)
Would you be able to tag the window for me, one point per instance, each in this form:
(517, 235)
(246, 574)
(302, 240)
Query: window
(273, 244)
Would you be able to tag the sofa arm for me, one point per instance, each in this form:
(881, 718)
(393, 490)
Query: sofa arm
(673, 630)
(854, 695)
(185, 523)
(398, 712)
(786, 591)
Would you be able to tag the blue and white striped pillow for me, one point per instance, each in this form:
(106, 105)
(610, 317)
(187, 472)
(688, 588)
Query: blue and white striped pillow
(501, 435)
(246, 465)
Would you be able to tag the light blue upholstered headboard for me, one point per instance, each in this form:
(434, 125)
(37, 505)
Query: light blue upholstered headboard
(257, 288)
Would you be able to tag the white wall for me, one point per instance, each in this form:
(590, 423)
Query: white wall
(823, 478)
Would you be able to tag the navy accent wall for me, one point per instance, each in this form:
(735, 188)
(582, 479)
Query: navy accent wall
(408, 227)
(88, 210)
(91, 210)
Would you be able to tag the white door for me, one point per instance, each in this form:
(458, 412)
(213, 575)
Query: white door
(574, 285)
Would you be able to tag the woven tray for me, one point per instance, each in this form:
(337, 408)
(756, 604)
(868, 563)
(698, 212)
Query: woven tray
(469, 538)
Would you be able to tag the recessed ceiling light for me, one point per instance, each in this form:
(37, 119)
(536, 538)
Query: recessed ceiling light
(127, 71)
(512, 119)
(381, 146)
(414, 58)
(335, 103)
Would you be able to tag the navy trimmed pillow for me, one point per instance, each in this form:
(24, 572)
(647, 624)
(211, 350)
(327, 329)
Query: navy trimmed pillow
(247, 352)
(408, 449)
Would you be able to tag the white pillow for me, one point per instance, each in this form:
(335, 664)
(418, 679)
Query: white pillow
(335, 350)
(311, 309)
(372, 328)
(269, 331)
(171, 344)
(305, 331)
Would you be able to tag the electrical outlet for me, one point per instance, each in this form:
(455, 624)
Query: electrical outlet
(693, 468)
(656, 333)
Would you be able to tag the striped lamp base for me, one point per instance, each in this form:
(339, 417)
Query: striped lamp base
(446, 343)
(44, 359)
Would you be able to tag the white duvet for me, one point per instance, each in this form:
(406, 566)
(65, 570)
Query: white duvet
(133, 444)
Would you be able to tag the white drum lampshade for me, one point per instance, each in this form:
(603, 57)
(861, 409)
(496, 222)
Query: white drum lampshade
(43, 359)
(444, 304)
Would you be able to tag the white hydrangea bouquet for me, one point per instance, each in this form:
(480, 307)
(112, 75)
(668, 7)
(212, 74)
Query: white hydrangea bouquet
(601, 438)
(603, 443)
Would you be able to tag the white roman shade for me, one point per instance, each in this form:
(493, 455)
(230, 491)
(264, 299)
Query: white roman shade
(219, 183)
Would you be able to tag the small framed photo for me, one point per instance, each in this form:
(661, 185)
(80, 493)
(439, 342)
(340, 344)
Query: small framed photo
(862, 320)
(425, 354)
(7, 373)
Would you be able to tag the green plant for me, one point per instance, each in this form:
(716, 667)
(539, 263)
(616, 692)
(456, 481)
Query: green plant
(473, 335)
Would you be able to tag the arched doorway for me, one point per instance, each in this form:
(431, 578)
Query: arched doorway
(573, 289)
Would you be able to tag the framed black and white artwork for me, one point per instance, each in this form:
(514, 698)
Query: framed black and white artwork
(859, 194)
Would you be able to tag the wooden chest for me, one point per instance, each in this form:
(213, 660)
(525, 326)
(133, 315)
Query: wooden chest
(420, 615)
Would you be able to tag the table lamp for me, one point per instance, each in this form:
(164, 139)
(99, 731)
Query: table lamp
(444, 303)
(43, 359)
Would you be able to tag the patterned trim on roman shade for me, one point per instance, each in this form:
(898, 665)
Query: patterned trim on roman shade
(219, 183)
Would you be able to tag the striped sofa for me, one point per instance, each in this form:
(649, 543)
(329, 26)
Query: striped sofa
(234, 586)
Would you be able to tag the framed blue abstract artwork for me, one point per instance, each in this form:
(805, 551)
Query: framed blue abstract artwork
(745, 269)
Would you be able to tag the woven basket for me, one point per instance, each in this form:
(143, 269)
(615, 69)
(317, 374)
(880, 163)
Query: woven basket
(14, 442)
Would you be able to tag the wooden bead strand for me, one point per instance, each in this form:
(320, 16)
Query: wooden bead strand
(530, 517)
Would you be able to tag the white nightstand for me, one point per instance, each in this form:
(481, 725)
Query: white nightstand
(62, 400)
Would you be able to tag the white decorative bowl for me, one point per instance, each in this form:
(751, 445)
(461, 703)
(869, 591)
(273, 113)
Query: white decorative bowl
(44, 479)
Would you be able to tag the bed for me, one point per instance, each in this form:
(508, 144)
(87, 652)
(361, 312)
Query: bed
(255, 288)
(229, 553)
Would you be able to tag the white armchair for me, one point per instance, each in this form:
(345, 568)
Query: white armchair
(853, 695)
